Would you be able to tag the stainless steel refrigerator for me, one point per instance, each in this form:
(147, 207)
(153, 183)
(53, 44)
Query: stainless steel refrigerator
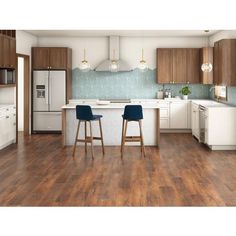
(49, 95)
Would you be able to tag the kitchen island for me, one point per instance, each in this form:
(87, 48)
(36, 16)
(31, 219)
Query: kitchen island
(112, 122)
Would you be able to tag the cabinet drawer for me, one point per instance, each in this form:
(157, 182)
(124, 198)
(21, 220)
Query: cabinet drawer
(164, 123)
(164, 112)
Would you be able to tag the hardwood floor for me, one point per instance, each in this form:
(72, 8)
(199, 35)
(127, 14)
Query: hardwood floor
(181, 173)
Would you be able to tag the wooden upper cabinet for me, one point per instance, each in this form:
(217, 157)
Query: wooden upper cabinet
(224, 62)
(12, 53)
(179, 65)
(40, 58)
(58, 58)
(206, 56)
(54, 58)
(164, 65)
(1, 51)
(193, 65)
(7, 50)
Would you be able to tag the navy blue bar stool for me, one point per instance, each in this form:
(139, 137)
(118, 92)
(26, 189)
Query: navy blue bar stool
(84, 114)
(132, 113)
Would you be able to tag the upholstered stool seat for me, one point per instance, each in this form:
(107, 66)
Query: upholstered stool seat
(84, 114)
(132, 113)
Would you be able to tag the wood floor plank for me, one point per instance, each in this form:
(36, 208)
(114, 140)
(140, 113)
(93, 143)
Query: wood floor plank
(39, 172)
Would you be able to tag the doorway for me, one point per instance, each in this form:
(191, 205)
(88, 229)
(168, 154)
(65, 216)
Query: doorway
(23, 94)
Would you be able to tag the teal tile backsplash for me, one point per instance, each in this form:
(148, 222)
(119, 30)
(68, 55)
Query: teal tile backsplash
(133, 84)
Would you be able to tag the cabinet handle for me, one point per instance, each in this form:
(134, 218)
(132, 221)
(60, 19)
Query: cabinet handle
(7, 117)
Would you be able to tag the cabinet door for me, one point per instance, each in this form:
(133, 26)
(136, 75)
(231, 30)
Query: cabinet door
(1, 51)
(193, 65)
(12, 53)
(178, 115)
(12, 127)
(164, 65)
(58, 58)
(206, 55)
(40, 58)
(179, 65)
(195, 121)
(216, 63)
(6, 52)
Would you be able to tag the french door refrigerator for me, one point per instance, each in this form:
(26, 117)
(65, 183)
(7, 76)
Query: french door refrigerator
(49, 95)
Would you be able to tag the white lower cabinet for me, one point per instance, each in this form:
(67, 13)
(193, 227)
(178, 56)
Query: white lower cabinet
(195, 121)
(179, 115)
(7, 126)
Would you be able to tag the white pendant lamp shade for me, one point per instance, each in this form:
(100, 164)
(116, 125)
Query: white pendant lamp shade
(114, 64)
(143, 66)
(84, 65)
(207, 67)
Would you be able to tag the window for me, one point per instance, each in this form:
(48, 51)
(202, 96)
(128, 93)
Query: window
(221, 92)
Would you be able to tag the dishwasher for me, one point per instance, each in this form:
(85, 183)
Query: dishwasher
(202, 124)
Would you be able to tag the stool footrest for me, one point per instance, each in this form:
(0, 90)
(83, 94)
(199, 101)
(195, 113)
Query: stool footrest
(132, 138)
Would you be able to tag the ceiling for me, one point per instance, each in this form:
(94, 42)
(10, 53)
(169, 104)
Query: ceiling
(127, 33)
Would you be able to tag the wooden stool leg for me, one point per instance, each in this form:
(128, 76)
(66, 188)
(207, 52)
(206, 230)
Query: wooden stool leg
(85, 135)
(141, 135)
(91, 136)
(100, 126)
(122, 134)
(76, 137)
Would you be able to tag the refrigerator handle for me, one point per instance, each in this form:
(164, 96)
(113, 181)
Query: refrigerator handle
(50, 88)
(46, 90)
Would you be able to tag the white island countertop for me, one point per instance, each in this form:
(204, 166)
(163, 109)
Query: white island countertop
(146, 103)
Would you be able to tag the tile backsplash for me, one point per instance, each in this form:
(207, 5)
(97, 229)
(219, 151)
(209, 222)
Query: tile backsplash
(133, 84)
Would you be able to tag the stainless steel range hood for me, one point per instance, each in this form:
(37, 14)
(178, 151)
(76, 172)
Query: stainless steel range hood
(114, 46)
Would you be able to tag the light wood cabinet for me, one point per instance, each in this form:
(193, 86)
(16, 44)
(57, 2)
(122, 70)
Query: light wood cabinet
(164, 65)
(40, 58)
(7, 52)
(206, 56)
(193, 65)
(224, 62)
(178, 65)
(53, 58)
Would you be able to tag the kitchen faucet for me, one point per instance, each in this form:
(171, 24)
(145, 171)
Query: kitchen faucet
(212, 88)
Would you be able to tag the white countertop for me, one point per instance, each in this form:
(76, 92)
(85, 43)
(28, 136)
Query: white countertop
(146, 103)
(6, 105)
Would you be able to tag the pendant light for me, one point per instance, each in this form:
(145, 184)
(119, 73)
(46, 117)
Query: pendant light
(207, 66)
(114, 64)
(142, 63)
(84, 66)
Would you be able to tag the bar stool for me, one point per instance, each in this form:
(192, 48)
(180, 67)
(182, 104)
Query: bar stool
(132, 113)
(84, 114)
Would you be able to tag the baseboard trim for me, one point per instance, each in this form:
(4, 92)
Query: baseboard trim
(175, 131)
(222, 147)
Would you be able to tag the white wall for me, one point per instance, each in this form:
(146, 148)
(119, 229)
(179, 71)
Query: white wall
(224, 34)
(130, 47)
(24, 42)
(20, 94)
